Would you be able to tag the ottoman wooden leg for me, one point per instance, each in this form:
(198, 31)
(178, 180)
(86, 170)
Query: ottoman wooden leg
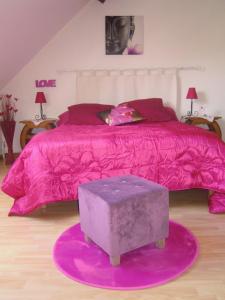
(86, 238)
(115, 260)
(160, 243)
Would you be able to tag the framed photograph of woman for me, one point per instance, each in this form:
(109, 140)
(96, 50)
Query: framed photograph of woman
(124, 35)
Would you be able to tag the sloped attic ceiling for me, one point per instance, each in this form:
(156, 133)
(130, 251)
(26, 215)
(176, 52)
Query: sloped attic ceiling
(26, 26)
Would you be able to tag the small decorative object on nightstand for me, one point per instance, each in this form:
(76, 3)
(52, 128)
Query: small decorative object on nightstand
(30, 126)
(212, 124)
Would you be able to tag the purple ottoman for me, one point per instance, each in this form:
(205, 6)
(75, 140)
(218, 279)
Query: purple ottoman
(123, 213)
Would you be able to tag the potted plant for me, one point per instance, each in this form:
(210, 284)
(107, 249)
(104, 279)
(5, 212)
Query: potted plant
(8, 123)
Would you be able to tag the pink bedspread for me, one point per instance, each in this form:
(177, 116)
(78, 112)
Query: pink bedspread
(174, 154)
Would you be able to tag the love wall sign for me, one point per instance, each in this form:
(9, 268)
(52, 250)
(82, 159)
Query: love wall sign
(45, 83)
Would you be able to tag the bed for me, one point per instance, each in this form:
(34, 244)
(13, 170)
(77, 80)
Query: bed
(159, 148)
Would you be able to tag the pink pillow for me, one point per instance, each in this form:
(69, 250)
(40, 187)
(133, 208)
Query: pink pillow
(159, 115)
(152, 110)
(120, 115)
(87, 113)
(142, 104)
(171, 113)
(63, 118)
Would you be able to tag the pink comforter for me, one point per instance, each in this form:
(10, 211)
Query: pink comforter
(174, 154)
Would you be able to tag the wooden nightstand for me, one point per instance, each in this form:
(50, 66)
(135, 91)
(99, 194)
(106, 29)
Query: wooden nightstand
(28, 130)
(212, 125)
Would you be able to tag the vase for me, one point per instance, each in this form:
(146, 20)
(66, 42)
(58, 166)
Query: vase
(8, 129)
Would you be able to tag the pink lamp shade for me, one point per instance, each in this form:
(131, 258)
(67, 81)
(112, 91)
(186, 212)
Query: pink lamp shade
(40, 98)
(192, 93)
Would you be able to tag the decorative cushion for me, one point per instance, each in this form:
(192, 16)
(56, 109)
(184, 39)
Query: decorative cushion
(120, 115)
(86, 113)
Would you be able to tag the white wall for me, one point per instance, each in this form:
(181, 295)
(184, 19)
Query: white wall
(176, 33)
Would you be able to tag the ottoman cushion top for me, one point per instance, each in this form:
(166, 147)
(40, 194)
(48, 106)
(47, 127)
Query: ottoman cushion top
(119, 188)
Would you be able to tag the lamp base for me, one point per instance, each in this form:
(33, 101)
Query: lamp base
(39, 118)
(191, 107)
(42, 116)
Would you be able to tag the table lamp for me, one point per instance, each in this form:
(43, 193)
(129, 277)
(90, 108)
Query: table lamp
(191, 95)
(40, 98)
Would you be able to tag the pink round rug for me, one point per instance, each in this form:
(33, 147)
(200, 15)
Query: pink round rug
(141, 268)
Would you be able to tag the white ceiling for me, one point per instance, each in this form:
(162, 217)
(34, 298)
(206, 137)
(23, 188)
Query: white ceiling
(26, 26)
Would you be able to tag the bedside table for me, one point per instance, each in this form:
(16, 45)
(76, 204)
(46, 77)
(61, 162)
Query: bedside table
(212, 125)
(28, 130)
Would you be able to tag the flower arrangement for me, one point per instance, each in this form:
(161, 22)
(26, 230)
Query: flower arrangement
(7, 107)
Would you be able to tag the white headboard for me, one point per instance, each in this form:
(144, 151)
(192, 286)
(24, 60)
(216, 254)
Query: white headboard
(115, 86)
